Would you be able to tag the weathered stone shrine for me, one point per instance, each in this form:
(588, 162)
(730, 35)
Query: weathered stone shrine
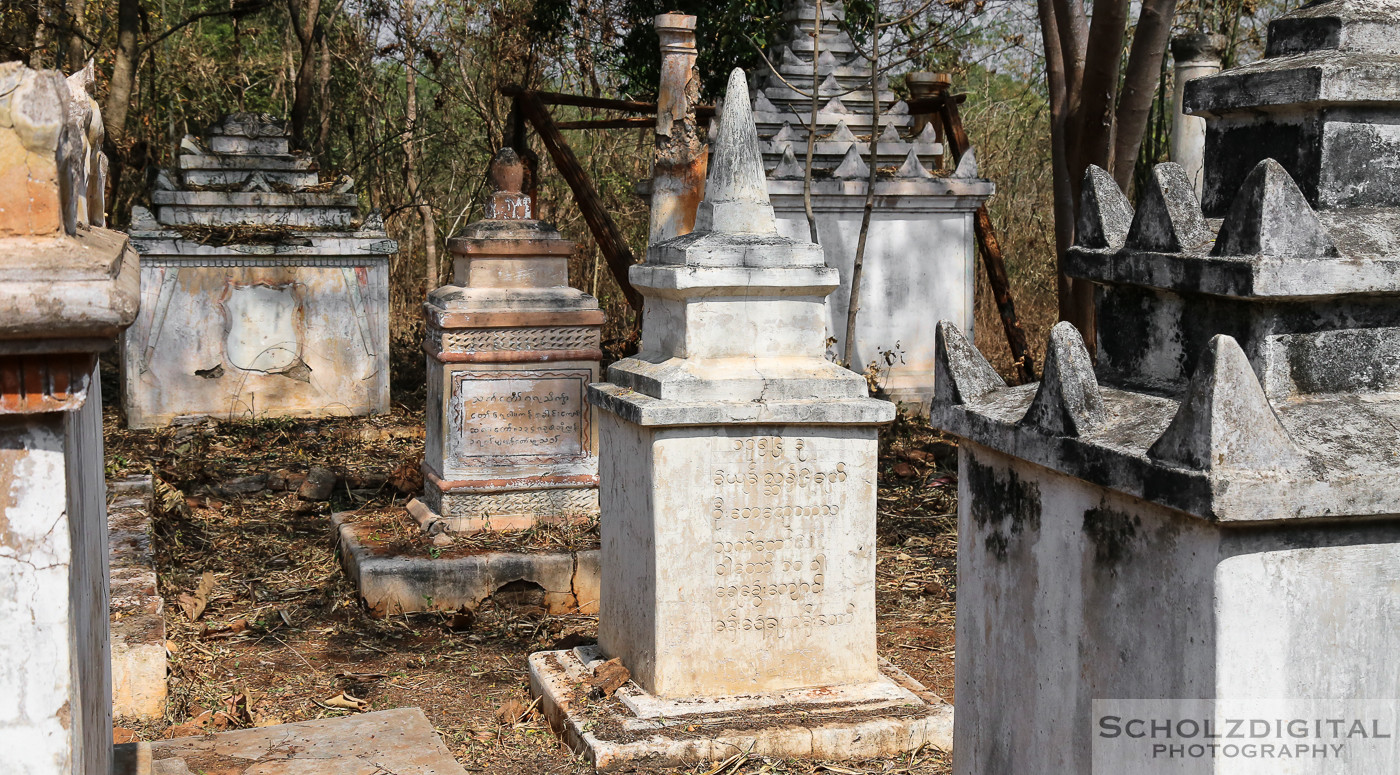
(920, 258)
(738, 497)
(511, 351)
(67, 289)
(511, 441)
(1208, 510)
(263, 293)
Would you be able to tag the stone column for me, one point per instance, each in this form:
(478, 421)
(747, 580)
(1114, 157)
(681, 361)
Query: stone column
(1195, 55)
(1204, 523)
(67, 289)
(738, 471)
(511, 349)
(678, 171)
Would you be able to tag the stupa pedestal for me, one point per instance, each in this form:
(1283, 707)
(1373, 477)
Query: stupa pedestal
(738, 474)
(1202, 522)
(511, 439)
(67, 289)
(263, 293)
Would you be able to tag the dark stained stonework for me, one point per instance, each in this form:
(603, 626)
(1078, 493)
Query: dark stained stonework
(1247, 365)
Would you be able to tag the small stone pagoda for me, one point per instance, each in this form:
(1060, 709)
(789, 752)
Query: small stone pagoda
(920, 258)
(1208, 510)
(511, 352)
(738, 471)
(263, 293)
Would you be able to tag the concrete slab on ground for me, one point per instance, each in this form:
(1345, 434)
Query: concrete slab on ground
(392, 583)
(890, 716)
(400, 741)
(136, 607)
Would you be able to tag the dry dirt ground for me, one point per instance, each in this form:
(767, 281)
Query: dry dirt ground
(284, 637)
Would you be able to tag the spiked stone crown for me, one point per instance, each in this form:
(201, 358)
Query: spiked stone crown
(1247, 368)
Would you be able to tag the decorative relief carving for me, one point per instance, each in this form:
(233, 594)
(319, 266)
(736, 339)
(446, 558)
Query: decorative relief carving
(518, 339)
(561, 502)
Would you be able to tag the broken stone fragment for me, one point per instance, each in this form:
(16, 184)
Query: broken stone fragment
(961, 373)
(1225, 420)
(1270, 217)
(1068, 401)
(319, 484)
(1168, 218)
(1105, 215)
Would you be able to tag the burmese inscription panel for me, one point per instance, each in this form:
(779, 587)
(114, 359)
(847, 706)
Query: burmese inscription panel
(775, 562)
(508, 417)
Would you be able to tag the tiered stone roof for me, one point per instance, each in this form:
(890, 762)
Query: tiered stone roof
(782, 112)
(246, 175)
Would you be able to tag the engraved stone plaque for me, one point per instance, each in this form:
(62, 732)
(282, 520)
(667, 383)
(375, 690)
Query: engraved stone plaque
(509, 417)
(768, 581)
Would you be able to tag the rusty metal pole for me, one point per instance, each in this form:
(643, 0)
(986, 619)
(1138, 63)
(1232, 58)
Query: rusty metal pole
(678, 168)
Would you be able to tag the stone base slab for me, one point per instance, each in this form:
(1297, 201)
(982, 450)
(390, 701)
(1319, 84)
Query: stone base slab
(890, 716)
(138, 623)
(396, 583)
(400, 741)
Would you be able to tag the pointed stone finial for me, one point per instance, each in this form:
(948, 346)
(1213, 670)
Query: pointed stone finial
(835, 105)
(1068, 402)
(1225, 420)
(191, 146)
(761, 104)
(784, 135)
(164, 182)
(736, 194)
(1168, 218)
(1105, 215)
(829, 86)
(889, 135)
(927, 135)
(142, 219)
(508, 201)
(826, 62)
(967, 165)
(852, 167)
(788, 167)
(900, 108)
(912, 168)
(1270, 217)
(960, 372)
(842, 134)
(790, 59)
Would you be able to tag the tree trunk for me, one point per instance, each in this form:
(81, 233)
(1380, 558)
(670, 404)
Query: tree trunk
(1140, 84)
(76, 50)
(123, 72)
(858, 263)
(410, 149)
(323, 78)
(304, 16)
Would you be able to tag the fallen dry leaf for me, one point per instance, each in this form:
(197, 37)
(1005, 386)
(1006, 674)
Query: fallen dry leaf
(903, 470)
(510, 712)
(346, 702)
(194, 605)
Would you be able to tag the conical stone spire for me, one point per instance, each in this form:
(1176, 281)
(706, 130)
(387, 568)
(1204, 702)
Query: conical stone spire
(736, 195)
